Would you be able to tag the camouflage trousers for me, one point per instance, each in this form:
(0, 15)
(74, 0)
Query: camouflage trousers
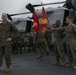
(6, 51)
(48, 43)
(40, 49)
(71, 51)
(57, 54)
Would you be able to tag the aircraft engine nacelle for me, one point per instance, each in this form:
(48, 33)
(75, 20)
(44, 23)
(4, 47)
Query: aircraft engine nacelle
(71, 4)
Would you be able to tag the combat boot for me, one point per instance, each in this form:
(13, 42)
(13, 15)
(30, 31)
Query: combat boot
(39, 57)
(70, 65)
(74, 67)
(63, 64)
(7, 69)
(57, 63)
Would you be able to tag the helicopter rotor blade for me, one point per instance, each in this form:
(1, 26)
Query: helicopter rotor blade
(10, 18)
(9, 15)
(49, 3)
(20, 13)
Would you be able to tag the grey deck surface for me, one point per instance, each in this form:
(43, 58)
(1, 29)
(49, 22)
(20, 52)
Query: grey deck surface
(26, 64)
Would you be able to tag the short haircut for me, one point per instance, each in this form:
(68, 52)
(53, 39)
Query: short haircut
(69, 17)
(58, 21)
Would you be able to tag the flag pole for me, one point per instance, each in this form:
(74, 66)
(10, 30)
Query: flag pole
(56, 41)
(58, 47)
(50, 56)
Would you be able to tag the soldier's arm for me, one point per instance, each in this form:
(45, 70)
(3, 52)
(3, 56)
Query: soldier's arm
(14, 31)
(60, 28)
(74, 29)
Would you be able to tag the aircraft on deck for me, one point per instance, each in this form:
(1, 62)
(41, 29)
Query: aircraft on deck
(60, 13)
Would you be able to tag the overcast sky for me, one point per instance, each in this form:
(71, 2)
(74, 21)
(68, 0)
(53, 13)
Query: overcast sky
(18, 6)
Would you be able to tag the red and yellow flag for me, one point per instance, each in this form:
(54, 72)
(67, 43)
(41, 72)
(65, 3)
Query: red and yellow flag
(44, 22)
(35, 23)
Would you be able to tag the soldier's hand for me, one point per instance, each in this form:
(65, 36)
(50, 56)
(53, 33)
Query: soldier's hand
(8, 39)
(52, 28)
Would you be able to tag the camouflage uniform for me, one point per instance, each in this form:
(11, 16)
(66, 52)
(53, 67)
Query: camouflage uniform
(58, 35)
(64, 45)
(7, 30)
(48, 37)
(70, 35)
(40, 44)
(20, 44)
(14, 45)
(31, 43)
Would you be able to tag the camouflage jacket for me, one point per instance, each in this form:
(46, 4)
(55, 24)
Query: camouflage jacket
(40, 38)
(58, 34)
(48, 36)
(7, 30)
(70, 33)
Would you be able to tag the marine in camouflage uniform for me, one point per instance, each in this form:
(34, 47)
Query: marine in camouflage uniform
(59, 36)
(20, 44)
(14, 45)
(13, 49)
(7, 32)
(70, 35)
(48, 38)
(40, 45)
(30, 43)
